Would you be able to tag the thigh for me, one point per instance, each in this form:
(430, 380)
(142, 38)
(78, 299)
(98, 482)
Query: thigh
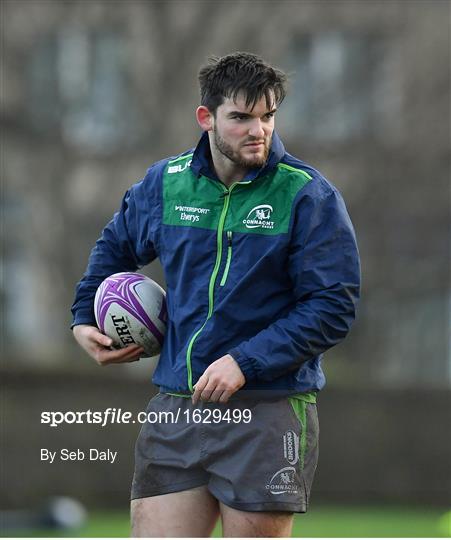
(188, 514)
(237, 523)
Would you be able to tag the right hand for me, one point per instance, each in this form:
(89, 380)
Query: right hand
(97, 345)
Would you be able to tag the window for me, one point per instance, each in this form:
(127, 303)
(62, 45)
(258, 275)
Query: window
(343, 86)
(78, 89)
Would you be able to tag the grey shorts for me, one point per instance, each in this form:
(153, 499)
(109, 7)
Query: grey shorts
(252, 455)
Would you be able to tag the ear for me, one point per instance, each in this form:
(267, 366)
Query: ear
(204, 118)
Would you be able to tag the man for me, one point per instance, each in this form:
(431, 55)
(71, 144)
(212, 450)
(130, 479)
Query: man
(262, 275)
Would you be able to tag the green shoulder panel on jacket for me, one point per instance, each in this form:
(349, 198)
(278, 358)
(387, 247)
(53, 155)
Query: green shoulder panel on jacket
(262, 206)
(189, 201)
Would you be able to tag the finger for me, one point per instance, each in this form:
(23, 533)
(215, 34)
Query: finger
(225, 396)
(129, 353)
(101, 339)
(105, 361)
(216, 394)
(207, 391)
(115, 354)
(198, 388)
(132, 356)
(128, 360)
(106, 356)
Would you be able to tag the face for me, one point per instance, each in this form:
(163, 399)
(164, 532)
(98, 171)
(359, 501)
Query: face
(242, 135)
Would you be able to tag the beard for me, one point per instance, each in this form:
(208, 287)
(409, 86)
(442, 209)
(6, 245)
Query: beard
(255, 162)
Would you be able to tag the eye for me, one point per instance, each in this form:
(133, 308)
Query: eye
(269, 115)
(239, 117)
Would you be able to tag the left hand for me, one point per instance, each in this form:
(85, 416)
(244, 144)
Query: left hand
(219, 381)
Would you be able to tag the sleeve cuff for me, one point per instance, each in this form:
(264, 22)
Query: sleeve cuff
(246, 364)
(80, 319)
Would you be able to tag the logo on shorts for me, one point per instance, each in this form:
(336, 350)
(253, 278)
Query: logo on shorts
(283, 481)
(291, 447)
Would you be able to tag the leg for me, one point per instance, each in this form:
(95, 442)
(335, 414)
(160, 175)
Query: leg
(190, 513)
(236, 523)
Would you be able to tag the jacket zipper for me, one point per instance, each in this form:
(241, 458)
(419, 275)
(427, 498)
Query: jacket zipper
(229, 259)
(213, 277)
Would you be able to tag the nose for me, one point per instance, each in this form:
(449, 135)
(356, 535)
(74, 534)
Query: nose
(256, 130)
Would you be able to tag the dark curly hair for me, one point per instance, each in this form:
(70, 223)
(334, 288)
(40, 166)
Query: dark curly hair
(244, 72)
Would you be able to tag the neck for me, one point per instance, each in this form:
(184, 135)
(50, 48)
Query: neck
(228, 172)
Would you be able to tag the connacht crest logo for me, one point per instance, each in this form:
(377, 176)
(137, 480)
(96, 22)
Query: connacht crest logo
(260, 216)
(283, 481)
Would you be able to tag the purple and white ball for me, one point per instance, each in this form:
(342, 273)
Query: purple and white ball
(131, 309)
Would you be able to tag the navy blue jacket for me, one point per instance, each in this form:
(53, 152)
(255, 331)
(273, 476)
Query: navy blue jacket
(266, 270)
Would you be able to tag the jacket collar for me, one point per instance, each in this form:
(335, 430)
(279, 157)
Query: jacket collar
(201, 162)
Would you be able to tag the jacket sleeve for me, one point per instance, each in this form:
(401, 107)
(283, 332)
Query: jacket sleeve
(323, 265)
(126, 244)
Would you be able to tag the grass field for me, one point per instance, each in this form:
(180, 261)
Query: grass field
(322, 521)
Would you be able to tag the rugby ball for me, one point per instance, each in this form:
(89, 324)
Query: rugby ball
(131, 309)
